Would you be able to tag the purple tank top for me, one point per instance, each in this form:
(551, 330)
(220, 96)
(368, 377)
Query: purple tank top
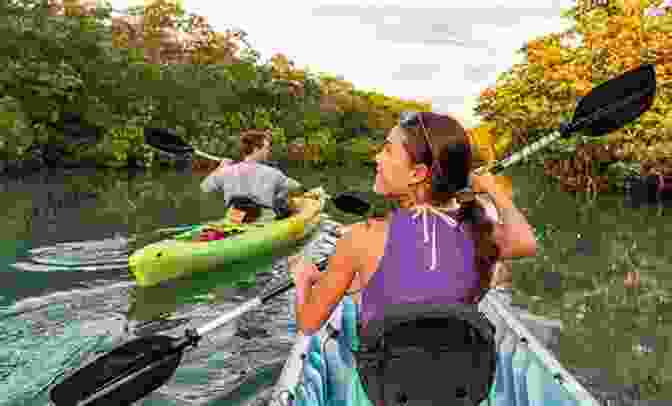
(404, 274)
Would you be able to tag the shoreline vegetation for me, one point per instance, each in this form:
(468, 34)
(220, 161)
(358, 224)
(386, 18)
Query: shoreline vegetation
(161, 66)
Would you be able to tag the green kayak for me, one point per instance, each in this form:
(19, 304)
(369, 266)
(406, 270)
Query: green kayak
(162, 301)
(184, 254)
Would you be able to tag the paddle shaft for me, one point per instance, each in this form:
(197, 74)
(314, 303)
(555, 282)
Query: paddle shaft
(208, 156)
(253, 303)
(500, 165)
(244, 308)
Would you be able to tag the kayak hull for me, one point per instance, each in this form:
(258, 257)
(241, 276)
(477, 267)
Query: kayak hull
(526, 374)
(184, 255)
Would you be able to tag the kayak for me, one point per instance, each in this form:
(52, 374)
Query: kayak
(154, 302)
(185, 254)
(320, 368)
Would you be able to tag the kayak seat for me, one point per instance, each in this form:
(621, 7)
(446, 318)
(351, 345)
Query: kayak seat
(247, 212)
(253, 209)
(250, 208)
(427, 355)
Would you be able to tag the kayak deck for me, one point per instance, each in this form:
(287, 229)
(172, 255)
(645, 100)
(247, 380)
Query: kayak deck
(527, 373)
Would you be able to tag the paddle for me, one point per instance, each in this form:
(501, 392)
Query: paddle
(76, 130)
(607, 107)
(167, 140)
(140, 366)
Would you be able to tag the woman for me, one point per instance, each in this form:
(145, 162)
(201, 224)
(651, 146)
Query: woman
(253, 177)
(425, 166)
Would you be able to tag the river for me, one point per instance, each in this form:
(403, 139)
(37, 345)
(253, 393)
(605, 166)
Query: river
(53, 317)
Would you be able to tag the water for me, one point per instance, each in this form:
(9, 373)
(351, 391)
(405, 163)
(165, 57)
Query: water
(54, 316)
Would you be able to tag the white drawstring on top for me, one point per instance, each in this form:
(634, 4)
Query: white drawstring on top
(423, 210)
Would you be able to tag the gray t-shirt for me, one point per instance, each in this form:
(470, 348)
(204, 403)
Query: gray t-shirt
(264, 184)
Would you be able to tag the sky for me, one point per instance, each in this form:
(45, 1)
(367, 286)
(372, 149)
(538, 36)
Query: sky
(444, 51)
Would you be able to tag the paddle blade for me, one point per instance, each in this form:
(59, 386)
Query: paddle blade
(616, 102)
(351, 203)
(77, 133)
(167, 140)
(122, 376)
(76, 130)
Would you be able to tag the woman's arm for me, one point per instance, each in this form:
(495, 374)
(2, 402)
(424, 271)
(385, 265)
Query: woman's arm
(317, 295)
(513, 234)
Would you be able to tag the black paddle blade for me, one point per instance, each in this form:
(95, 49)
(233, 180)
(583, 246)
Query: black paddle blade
(167, 140)
(122, 376)
(351, 203)
(616, 102)
(77, 133)
(76, 130)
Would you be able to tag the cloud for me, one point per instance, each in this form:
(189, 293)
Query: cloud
(447, 25)
(479, 72)
(447, 51)
(416, 71)
(448, 100)
(447, 13)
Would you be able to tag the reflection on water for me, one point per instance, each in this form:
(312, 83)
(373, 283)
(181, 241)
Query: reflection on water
(64, 305)
(148, 303)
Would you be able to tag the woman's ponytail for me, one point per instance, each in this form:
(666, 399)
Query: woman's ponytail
(473, 214)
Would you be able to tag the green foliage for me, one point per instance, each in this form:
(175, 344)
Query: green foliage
(620, 171)
(328, 148)
(360, 149)
(80, 63)
(15, 136)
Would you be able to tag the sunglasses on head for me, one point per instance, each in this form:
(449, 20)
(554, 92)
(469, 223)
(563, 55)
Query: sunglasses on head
(413, 119)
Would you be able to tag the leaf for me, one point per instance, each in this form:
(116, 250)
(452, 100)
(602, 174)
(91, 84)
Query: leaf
(8, 119)
(503, 143)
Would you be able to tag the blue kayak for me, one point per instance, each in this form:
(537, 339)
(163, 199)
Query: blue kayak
(321, 371)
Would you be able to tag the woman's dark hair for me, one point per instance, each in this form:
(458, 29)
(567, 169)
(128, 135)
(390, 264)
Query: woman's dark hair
(450, 170)
(250, 140)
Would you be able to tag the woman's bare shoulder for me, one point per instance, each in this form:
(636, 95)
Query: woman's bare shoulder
(363, 234)
(359, 241)
(372, 224)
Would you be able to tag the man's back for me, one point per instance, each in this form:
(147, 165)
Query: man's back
(262, 183)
